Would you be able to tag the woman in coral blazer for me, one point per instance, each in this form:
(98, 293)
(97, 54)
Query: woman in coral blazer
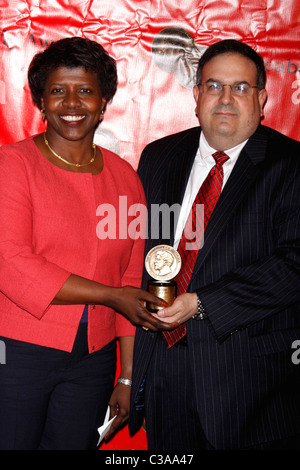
(65, 273)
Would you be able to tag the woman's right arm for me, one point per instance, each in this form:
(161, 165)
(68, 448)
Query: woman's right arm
(129, 301)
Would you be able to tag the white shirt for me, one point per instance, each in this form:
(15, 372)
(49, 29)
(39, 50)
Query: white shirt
(203, 163)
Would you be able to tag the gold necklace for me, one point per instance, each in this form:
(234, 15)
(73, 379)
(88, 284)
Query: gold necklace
(65, 161)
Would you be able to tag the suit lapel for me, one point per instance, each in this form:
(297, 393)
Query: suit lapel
(244, 174)
(178, 171)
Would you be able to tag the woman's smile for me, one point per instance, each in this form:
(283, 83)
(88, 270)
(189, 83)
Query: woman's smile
(72, 117)
(73, 120)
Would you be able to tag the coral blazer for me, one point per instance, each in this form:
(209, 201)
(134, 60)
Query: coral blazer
(53, 224)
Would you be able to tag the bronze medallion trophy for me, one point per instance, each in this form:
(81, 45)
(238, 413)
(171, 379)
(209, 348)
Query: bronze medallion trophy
(162, 263)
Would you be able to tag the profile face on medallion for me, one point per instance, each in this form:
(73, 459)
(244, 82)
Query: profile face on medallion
(163, 262)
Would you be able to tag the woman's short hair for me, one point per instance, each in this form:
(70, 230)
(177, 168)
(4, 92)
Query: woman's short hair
(237, 47)
(71, 53)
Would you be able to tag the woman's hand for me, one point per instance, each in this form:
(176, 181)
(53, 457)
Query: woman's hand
(119, 405)
(131, 301)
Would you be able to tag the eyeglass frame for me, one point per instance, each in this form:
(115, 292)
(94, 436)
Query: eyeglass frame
(231, 87)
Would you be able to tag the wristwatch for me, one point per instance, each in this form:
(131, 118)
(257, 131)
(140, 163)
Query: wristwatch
(201, 314)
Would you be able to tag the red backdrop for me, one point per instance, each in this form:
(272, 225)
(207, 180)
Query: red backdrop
(156, 44)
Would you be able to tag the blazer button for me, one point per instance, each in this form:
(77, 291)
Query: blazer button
(234, 332)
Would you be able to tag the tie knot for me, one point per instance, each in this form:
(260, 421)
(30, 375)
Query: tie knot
(220, 157)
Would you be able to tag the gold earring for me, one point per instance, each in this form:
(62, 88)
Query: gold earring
(43, 114)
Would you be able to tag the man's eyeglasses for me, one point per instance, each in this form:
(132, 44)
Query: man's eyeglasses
(213, 87)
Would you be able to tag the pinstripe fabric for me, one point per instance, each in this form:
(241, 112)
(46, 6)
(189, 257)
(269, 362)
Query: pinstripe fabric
(183, 429)
(246, 387)
(208, 195)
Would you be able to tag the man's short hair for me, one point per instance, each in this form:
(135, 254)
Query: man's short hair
(236, 47)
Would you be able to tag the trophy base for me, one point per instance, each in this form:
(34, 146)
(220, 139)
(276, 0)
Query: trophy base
(166, 290)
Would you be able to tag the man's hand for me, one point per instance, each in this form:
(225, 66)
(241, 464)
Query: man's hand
(182, 309)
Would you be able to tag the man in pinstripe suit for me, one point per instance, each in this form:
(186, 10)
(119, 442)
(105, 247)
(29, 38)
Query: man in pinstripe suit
(230, 383)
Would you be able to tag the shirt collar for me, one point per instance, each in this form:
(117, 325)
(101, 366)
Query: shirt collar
(206, 151)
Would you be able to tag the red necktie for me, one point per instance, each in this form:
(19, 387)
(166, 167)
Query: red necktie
(191, 240)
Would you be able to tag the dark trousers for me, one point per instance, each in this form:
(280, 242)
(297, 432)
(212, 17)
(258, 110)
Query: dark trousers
(172, 422)
(51, 399)
(171, 419)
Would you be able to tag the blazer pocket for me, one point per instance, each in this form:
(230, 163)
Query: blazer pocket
(275, 342)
